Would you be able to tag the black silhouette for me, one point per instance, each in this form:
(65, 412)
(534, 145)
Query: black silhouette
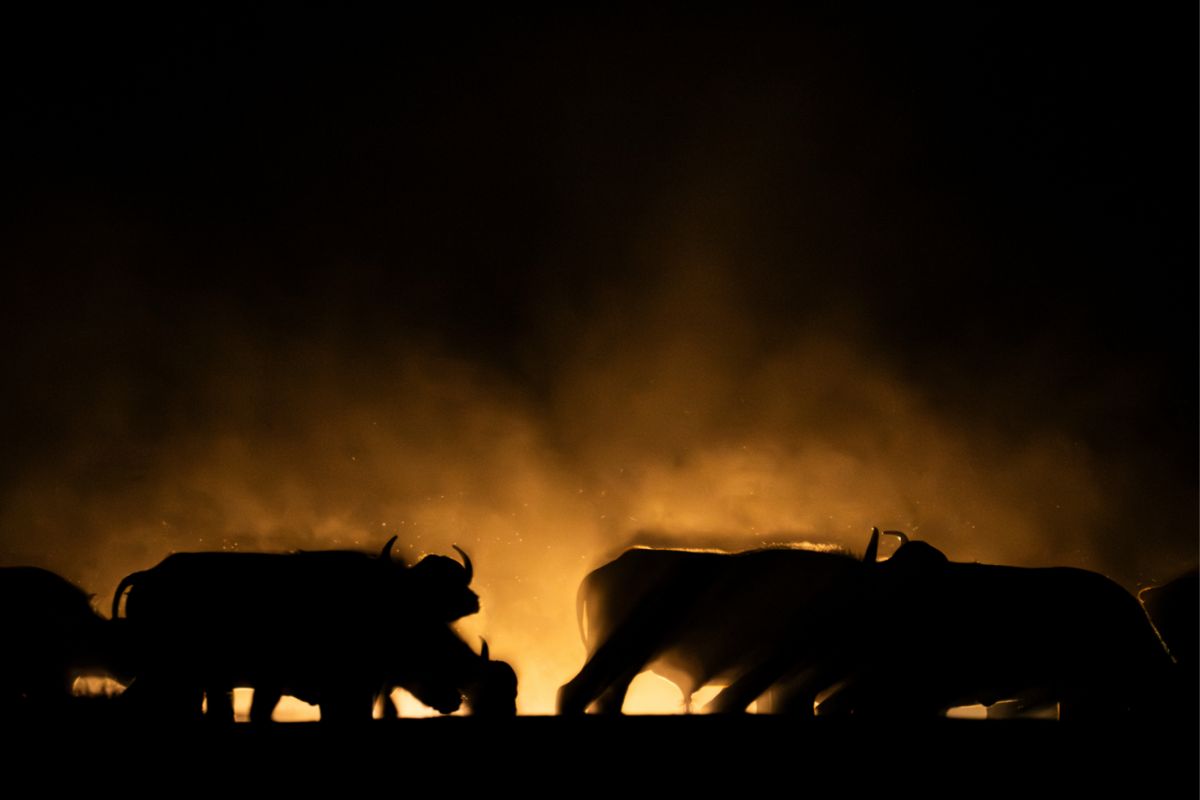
(434, 664)
(693, 617)
(334, 628)
(918, 634)
(51, 636)
(1174, 609)
(450, 671)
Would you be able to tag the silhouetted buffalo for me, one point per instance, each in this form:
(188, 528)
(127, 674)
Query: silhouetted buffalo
(918, 634)
(433, 663)
(51, 635)
(333, 627)
(449, 672)
(694, 618)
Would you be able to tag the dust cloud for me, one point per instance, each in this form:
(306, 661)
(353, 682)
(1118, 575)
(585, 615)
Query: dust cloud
(683, 424)
(543, 296)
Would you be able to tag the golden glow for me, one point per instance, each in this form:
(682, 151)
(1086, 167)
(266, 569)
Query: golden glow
(1049, 711)
(408, 706)
(666, 426)
(90, 686)
(651, 694)
(289, 709)
(967, 712)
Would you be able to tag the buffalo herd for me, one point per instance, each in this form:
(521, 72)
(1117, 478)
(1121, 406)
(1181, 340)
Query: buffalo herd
(804, 632)
(793, 630)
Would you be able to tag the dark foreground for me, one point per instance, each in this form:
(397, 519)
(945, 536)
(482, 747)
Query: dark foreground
(594, 756)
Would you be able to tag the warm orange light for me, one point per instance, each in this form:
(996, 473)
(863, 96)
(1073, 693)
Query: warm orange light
(92, 686)
(669, 432)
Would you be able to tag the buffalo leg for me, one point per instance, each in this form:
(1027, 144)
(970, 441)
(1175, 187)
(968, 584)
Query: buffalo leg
(159, 698)
(614, 664)
(607, 674)
(613, 698)
(626, 652)
(220, 703)
(737, 696)
(387, 705)
(262, 705)
(347, 707)
(848, 697)
(795, 699)
(785, 694)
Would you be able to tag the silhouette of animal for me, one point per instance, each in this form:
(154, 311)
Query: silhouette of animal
(433, 664)
(449, 672)
(51, 635)
(336, 626)
(694, 618)
(918, 634)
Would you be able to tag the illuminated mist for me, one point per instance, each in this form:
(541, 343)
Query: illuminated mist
(543, 296)
(670, 427)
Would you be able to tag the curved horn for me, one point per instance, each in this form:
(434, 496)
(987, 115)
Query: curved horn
(466, 562)
(484, 652)
(901, 535)
(386, 553)
(872, 547)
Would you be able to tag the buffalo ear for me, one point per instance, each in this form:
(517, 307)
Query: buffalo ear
(872, 547)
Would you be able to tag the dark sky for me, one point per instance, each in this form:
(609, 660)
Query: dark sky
(946, 258)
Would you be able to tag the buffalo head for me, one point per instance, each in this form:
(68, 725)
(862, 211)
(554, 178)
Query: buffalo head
(493, 693)
(441, 585)
(449, 671)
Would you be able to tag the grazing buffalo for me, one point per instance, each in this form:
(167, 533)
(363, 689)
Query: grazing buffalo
(694, 618)
(449, 672)
(333, 627)
(433, 664)
(919, 634)
(51, 635)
